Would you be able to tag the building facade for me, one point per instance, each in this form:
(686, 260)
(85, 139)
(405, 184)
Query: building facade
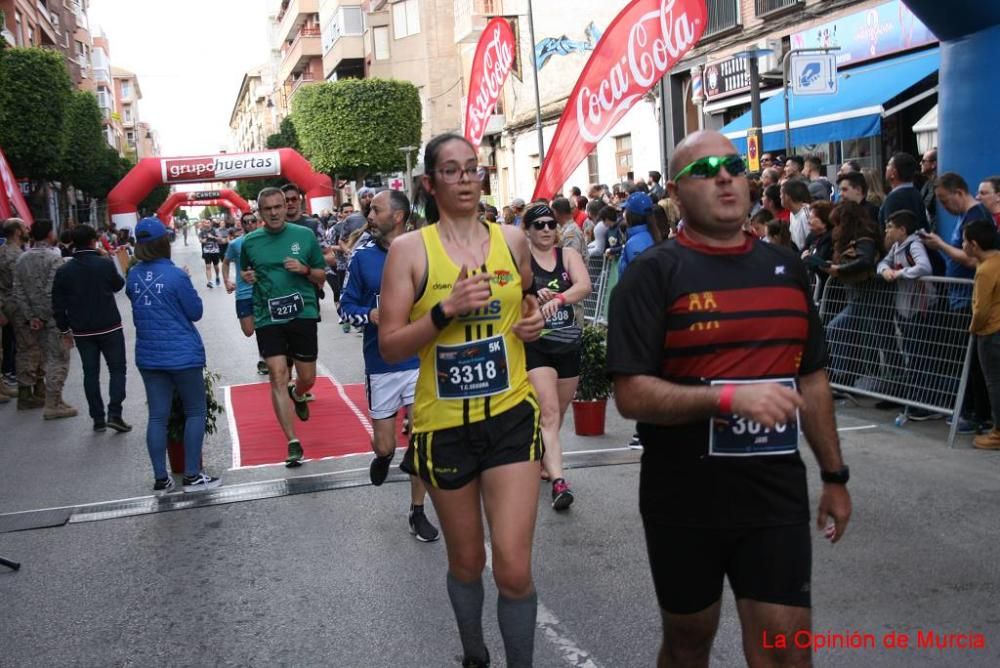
(253, 115)
(296, 50)
(127, 96)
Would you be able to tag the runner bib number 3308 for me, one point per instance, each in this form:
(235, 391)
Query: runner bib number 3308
(471, 370)
(735, 436)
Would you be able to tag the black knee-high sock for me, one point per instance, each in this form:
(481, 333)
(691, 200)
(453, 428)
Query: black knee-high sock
(467, 602)
(517, 626)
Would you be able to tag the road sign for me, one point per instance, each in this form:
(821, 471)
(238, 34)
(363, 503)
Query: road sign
(753, 150)
(814, 74)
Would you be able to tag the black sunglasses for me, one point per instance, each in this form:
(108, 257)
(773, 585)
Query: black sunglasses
(542, 224)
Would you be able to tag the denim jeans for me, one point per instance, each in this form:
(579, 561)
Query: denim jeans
(160, 387)
(989, 359)
(112, 347)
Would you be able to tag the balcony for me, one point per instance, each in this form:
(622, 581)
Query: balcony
(295, 57)
(294, 17)
(471, 17)
(294, 83)
(769, 7)
(48, 25)
(723, 17)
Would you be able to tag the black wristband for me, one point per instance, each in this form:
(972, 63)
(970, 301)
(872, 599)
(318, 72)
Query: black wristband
(438, 317)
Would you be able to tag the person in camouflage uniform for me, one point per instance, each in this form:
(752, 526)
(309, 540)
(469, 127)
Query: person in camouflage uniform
(42, 342)
(15, 234)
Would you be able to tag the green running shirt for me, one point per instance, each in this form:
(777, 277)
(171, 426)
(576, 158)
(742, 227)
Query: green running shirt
(278, 292)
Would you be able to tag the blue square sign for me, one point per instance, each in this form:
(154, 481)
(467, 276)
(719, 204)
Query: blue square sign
(813, 74)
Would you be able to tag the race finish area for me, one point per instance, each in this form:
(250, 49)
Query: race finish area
(338, 424)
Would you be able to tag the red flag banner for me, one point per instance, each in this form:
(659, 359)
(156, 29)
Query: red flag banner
(11, 200)
(490, 68)
(643, 42)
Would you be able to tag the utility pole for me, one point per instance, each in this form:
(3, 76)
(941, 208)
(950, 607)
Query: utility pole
(409, 151)
(538, 98)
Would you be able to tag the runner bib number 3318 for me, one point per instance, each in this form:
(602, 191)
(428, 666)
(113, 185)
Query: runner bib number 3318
(471, 370)
(735, 436)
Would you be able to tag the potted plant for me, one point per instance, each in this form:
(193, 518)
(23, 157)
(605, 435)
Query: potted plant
(591, 401)
(175, 424)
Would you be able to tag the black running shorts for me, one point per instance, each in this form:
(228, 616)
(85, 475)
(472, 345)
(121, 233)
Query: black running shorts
(452, 458)
(295, 339)
(564, 359)
(767, 564)
(211, 258)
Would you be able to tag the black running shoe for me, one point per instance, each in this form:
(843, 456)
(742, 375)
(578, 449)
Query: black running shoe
(421, 527)
(163, 485)
(295, 453)
(477, 663)
(119, 425)
(379, 469)
(301, 404)
(262, 368)
(100, 425)
(562, 497)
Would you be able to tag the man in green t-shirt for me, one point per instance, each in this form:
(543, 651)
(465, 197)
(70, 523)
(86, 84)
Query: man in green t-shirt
(284, 263)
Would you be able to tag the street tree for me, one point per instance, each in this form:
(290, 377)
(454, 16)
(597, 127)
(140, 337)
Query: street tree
(35, 92)
(83, 144)
(355, 127)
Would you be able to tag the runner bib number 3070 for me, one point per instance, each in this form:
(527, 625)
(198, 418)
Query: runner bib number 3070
(471, 370)
(735, 436)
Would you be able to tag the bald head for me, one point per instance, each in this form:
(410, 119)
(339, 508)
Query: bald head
(698, 145)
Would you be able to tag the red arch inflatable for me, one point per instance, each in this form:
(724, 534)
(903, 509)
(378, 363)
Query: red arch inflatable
(222, 197)
(124, 198)
(234, 211)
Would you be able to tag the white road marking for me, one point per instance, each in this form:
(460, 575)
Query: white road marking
(553, 630)
(231, 421)
(362, 418)
(867, 426)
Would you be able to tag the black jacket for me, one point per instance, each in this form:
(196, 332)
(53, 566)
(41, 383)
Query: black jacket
(908, 198)
(83, 298)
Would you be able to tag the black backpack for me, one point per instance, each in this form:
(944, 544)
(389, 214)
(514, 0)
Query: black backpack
(938, 265)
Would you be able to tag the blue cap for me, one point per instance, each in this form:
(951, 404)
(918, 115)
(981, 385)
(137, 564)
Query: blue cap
(149, 229)
(639, 203)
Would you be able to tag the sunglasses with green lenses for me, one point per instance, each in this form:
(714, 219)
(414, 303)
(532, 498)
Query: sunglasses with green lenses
(709, 166)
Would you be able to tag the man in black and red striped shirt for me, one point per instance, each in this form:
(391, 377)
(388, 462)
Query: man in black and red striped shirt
(717, 350)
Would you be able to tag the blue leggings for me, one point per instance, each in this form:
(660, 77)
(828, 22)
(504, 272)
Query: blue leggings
(160, 387)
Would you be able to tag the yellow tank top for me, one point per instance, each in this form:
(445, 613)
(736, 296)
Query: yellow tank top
(475, 367)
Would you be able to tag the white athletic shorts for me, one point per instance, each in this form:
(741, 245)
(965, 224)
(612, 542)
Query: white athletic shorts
(388, 392)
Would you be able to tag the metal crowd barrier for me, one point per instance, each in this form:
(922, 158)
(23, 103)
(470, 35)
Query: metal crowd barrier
(603, 278)
(904, 342)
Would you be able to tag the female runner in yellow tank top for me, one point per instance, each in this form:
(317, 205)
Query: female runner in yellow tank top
(454, 293)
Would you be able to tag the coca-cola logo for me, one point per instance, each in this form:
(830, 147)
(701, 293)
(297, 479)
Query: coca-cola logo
(655, 42)
(244, 165)
(491, 66)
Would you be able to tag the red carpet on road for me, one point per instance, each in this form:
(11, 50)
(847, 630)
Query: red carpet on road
(333, 428)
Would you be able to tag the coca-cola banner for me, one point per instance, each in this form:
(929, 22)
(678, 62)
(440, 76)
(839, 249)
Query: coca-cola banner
(11, 199)
(490, 67)
(643, 42)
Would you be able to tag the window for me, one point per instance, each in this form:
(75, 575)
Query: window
(31, 35)
(345, 21)
(18, 29)
(765, 7)
(128, 113)
(623, 156)
(126, 89)
(380, 42)
(593, 174)
(405, 19)
(130, 136)
(722, 16)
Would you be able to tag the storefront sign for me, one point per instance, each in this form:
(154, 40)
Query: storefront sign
(726, 78)
(221, 167)
(873, 33)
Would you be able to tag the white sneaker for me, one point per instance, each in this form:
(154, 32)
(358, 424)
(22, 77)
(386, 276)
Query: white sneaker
(200, 482)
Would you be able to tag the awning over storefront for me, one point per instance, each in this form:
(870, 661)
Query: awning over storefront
(926, 130)
(865, 96)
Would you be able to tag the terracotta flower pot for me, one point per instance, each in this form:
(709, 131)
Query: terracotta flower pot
(175, 457)
(588, 417)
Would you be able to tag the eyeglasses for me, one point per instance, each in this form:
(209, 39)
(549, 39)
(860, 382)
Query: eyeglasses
(542, 224)
(709, 166)
(453, 173)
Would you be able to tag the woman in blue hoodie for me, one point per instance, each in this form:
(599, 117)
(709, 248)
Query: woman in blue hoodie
(169, 353)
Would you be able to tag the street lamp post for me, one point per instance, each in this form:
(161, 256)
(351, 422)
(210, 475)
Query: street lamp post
(538, 97)
(753, 73)
(409, 151)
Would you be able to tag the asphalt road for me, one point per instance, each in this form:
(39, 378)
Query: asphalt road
(333, 578)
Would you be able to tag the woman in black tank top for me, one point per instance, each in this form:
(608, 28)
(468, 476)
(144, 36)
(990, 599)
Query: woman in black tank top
(562, 281)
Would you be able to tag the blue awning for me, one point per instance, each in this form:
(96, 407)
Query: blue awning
(856, 110)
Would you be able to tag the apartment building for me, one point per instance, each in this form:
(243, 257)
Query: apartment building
(296, 49)
(127, 96)
(148, 145)
(253, 117)
(104, 89)
(60, 25)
